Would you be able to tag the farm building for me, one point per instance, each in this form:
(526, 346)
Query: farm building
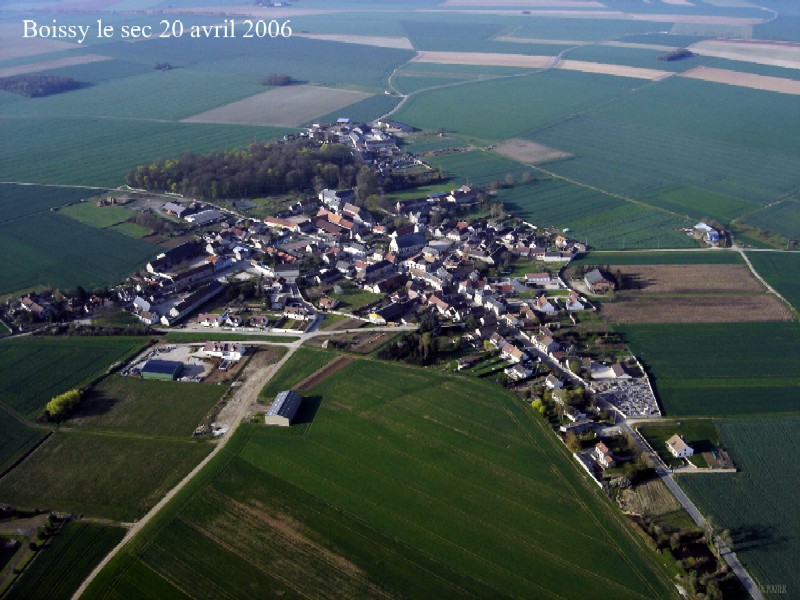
(283, 409)
(165, 370)
(597, 282)
(678, 447)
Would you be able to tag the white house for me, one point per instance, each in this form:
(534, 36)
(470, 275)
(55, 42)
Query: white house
(224, 350)
(678, 447)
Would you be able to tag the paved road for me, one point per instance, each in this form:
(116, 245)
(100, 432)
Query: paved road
(255, 379)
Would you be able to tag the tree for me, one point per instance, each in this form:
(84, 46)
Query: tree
(527, 177)
(538, 406)
(509, 180)
(425, 344)
(62, 405)
(366, 184)
(573, 443)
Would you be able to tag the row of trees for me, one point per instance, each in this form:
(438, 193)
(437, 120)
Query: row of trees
(258, 170)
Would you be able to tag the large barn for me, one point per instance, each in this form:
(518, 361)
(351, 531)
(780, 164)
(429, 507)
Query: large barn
(165, 370)
(283, 409)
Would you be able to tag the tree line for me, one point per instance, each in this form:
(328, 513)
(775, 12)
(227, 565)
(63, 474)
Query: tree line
(36, 86)
(257, 170)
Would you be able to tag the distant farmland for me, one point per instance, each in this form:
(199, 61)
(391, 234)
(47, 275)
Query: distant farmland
(489, 110)
(653, 144)
(44, 148)
(419, 488)
(287, 106)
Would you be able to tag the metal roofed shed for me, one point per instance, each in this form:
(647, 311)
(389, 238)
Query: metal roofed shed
(283, 409)
(164, 370)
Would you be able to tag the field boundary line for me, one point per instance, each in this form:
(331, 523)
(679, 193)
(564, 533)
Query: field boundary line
(763, 281)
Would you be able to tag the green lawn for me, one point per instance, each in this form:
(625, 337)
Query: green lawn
(353, 299)
(128, 404)
(108, 476)
(406, 484)
(700, 434)
(97, 216)
(65, 561)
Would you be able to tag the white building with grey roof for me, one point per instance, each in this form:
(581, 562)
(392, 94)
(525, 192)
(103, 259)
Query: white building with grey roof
(283, 409)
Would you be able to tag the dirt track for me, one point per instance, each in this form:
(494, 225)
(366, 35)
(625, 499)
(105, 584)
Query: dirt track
(337, 364)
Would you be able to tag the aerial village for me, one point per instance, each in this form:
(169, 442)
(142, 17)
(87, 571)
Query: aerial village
(439, 258)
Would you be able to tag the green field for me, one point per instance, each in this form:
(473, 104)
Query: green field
(477, 167)
(782, 219)
(152, 95)
(314, 61)
(97, 216)
(700, 257)
(699, 204)
(44, 148)
(494, 110)
(581, 29)
(108, 476)
(43, 250)
(302, 363)
(132, 229)
(363, 111)
(633, 57)
(431, 487)
(655, 145)
(781, 271)
(163, 408)
(36, 369)
(24, 200)
(716, 369)
(15, 439)
(593, 217)
(756, 504)
(67, 559)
